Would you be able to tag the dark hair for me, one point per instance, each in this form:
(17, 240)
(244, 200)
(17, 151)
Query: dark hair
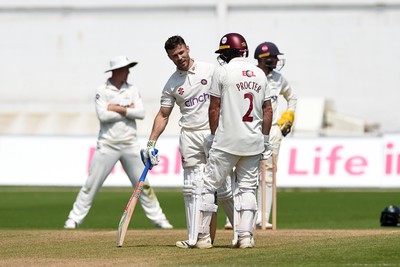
(173, 42)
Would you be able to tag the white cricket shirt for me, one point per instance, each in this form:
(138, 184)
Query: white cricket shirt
(242, 89)
(278, 85)
(115, 128)
(190, 91)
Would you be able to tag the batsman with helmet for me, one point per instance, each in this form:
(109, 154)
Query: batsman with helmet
(240, 116)
(268, 59)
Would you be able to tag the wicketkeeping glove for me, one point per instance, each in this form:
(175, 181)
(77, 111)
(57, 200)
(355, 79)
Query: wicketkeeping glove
(207, 144)
(267, 148)
(286, 121)
(150, 154)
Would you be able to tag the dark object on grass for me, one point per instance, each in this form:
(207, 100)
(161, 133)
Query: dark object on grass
(390, 216)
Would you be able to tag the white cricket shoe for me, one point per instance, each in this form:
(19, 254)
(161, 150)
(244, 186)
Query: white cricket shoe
(201, 243)
(183, 244)
(70, 224)
(246, 242)
(164, 224)
(204, 243)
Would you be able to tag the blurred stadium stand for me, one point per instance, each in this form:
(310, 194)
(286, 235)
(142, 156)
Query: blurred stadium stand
(338, 52)
(72, 122)
(318, 117)
(314, 117)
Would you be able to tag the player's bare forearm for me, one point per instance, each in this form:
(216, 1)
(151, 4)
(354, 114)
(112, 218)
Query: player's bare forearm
(213, 113)
(160, 123)
(267, 117)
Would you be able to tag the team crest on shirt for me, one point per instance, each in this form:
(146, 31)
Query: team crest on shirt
(180, 91)
(203, 81)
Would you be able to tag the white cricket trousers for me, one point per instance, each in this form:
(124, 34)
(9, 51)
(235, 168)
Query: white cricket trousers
(104, 159)
(219, 165)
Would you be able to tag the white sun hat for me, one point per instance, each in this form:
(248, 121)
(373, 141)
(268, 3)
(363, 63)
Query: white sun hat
(120, 62)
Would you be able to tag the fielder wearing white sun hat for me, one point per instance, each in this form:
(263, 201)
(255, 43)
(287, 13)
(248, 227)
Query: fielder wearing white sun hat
(120, 62)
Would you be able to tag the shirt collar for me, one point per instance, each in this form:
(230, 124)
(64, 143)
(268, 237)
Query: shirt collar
(238, 59)
(111, 86)
(192, 69)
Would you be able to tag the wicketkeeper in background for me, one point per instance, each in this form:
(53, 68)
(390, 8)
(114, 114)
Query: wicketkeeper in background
(118, 106)
(267, 56)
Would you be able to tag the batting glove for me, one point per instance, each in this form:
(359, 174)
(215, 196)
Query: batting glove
(267, 148)
(142, 156)
(150, 154)
(207, 144)
(286, 121)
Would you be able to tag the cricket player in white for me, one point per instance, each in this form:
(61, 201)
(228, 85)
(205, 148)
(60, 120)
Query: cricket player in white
(240, 116)
(188, 87)
(118, 105)
(267, 54)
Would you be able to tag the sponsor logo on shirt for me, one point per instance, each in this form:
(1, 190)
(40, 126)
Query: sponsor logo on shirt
(248, 73)
(180, 91)
(203, 81)
(196, 100)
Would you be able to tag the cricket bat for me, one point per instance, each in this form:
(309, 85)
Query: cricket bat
(130, 207)
(213, 224)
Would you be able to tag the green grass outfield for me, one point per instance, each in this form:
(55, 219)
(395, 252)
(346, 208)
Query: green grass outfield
(48, 208)
(315, 228)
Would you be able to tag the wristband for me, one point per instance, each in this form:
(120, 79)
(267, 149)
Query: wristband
(151, 143)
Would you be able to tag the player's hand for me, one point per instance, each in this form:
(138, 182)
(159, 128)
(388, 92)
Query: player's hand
(144, 160)
(207, 144)
(286, 128)
(286, 121)
(150, 154)
(267, 148)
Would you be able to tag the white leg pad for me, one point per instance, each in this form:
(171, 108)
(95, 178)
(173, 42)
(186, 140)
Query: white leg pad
(192, 188)
(225, 198)
(245, 213)
(268, 203)
(206, 210)
(268, 171)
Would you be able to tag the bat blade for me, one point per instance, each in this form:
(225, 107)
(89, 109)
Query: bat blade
(130, 207)
(213, 226)
(213, 223)
(126, 218)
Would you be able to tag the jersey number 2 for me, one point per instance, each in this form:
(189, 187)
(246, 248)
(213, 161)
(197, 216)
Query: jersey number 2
(247, 116)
